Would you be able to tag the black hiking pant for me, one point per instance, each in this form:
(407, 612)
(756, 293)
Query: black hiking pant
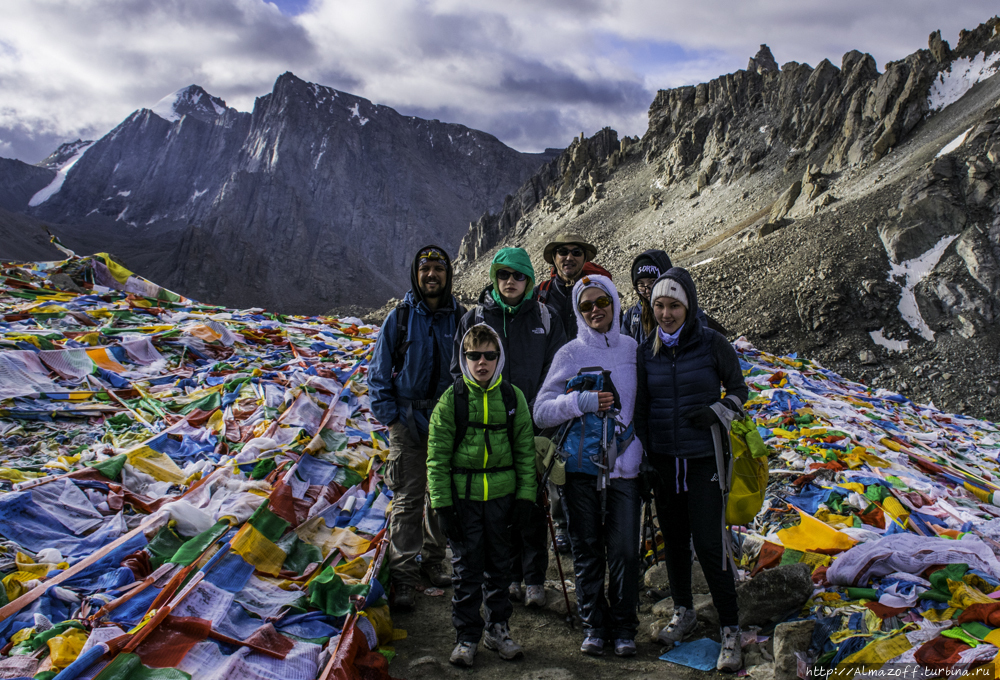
(530, 548)
(689, 509)
(612, 541)
(481, 566)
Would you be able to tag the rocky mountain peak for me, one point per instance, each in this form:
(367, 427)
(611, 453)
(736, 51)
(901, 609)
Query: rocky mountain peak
(191, 101)
(763, 61)
(63, 155)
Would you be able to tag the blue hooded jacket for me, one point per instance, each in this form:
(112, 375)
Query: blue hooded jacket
(424, 375)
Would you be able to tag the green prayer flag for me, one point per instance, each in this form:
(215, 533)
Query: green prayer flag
(267, 523)
(330, 594)
(164, 546)
(190, 551)
(128, 667)
(112, 467)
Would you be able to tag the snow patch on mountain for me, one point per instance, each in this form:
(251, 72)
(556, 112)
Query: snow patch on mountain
(56, 184)
(951, 85)
(356, 114)
(189, 101)
(912, 272)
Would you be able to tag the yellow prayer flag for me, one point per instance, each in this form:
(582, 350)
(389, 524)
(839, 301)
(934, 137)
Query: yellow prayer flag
(258, 550)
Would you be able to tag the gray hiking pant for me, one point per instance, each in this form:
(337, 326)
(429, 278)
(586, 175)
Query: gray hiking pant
(413, 525)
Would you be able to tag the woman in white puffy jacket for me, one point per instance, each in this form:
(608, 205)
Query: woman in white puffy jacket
(614, 533)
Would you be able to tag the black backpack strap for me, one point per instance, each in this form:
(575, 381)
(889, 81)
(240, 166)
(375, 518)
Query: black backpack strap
(462, 424)
(402, 340)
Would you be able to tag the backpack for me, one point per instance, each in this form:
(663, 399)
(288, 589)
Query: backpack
(747, 472)
(588, 268)
(590, 444)
(462, 425)
(402, 333)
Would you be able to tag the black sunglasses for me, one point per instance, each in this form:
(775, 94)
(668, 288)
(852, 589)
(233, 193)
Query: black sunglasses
(575, 252)
(588, 305)
(476, 356)
(504, 274)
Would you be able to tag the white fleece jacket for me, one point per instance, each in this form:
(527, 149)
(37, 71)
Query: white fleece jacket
(613, 352)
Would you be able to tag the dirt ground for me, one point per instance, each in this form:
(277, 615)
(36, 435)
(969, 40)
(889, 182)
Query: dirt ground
(551, 648)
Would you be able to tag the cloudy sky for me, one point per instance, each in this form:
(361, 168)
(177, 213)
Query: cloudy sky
(532, 72)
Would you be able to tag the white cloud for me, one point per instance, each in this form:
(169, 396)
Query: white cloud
(533, 73)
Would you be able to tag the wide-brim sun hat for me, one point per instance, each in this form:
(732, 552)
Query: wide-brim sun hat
(567, 239)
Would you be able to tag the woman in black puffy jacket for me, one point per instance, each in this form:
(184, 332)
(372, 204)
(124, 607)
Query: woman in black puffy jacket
(681, 369)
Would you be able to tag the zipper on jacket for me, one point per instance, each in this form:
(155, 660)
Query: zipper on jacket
(486, 435)
(677, 420)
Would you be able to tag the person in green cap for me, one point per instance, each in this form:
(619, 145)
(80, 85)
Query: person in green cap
(531, 333)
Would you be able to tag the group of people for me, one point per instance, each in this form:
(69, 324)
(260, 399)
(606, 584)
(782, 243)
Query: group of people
(466, 395)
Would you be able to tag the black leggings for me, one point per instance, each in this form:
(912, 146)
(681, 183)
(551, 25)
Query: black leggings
(689, 507)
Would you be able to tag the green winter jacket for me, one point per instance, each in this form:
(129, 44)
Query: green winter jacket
(443, 454)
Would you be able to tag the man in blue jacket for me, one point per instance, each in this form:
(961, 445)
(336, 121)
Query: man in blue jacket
(409, 372)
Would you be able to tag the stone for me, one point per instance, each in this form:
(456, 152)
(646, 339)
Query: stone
(929, 212)
(764, 671)
(774, 594)
(64, 282)
(785, 201)
(580, 194)
(664, 609)
(705, 609)
(975, 250)
(940, 49)
(656, 577)
(763, 61)
(790, 638)
(979, 193)
(769, 228)
(867, 357)
(425, 665)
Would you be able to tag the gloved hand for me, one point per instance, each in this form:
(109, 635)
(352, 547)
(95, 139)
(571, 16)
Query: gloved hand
(451, 523)
(649, 480)
(588, 402)
(703, 418)
(521, 513)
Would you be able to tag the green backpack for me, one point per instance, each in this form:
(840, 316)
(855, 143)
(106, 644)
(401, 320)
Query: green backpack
(747, 472)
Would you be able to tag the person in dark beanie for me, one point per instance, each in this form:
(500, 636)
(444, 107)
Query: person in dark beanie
(408, 373)
(530, 333)
(646, 268)
(680, 368)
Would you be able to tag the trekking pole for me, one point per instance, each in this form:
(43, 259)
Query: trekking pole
(562, 577)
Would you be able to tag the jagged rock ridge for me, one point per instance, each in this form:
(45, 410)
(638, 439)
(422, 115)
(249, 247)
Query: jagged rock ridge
(844, 212)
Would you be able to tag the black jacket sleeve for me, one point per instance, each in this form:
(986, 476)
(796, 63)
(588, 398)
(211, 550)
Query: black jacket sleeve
(727, 363)
(456, 355)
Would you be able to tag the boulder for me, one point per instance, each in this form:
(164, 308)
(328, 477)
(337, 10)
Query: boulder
(928, 213)
(940, 49)
(790, 638)
(774, 594)
(974, 249)
(785, 201)
(763, 61)
(656, 577)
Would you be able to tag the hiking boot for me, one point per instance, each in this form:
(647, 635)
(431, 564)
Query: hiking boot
(463, 654)
(405, 598)
(534, 596)
(593, 646)
(497, 638)
(730, 656)
(515, 591)
(436, 573)
(562, 543)
(624, 647)
(681, 625)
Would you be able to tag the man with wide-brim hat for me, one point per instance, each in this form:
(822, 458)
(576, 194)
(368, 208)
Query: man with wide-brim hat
(571, 257)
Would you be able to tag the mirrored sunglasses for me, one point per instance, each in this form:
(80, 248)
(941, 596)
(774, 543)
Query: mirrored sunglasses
(588, 305)
(476, 356)
(504, 274)
(564, 252)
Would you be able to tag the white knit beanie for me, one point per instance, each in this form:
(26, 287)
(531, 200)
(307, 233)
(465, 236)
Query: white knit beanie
(667, 287)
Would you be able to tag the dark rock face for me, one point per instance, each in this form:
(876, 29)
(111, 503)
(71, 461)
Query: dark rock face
(24, 239)
(291, 206)
(19, 182)
(573, 177)
(773, 594)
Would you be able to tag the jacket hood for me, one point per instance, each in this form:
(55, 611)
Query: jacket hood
(585, 333)
(497, 375)
(650, 258)
(518, 260)
(418, 296)
(692, 323)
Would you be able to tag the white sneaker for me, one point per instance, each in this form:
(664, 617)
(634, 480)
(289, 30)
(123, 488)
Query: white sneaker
(534, 596)
(730, 656)
(463, 654)
(681, 625)
(497, 638)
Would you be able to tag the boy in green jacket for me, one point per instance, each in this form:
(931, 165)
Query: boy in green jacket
(481, 479)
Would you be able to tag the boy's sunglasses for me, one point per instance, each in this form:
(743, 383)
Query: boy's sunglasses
(504, 274)
(476, 356)
(588, 305)
(575, 252)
